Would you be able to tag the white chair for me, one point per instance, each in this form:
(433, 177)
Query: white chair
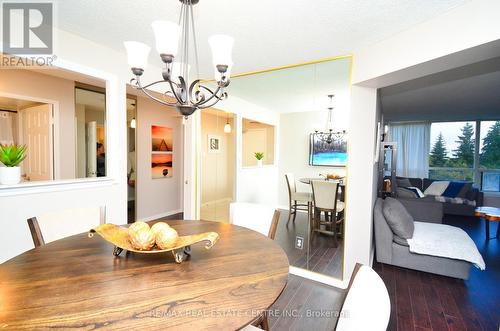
(61, 224)
(326, 199)
(297, 200)
(367, 305)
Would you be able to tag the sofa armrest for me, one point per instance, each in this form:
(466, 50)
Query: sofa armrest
(424, 210)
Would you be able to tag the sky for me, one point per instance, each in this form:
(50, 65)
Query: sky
(451, 131)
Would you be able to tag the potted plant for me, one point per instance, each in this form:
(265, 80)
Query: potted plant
(259, 156)
(11, 156)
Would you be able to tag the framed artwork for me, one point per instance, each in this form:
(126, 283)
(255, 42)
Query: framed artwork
(161, 139)
(161, 166)
(214, 144)
(333, 154)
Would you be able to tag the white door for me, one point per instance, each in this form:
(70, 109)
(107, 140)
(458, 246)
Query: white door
(38, 137)
(91, 140)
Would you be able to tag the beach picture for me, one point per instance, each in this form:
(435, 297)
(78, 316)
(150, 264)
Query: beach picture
(333, 154)
(161, 166)
(214, 144)
(161, 139)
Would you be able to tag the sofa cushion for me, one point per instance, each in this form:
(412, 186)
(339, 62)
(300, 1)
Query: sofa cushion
(400, 241)
(403, 182)
(404, 192)
(464, 190)
(398, 218)
(436, 188)
(453, 189)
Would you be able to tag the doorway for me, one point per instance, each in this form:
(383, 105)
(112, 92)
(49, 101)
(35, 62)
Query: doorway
(218, 164)
(131, 158)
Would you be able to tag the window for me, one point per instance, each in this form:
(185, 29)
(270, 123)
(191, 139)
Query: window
(453, 154)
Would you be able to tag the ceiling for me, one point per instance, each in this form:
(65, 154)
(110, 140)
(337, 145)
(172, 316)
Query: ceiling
(462, 94)
(16, 104)
(306, 30)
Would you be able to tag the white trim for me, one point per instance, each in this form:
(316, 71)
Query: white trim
(320, 278)
(157, 216)
(54, 186)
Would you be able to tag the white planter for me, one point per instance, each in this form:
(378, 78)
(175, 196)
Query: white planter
(259, 163)
(10, 175)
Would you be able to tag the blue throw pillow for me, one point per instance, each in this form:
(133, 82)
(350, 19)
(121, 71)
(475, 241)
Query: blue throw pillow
(453, 189)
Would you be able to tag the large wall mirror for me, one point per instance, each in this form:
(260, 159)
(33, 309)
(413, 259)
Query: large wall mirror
(300, 95)
(61, 118)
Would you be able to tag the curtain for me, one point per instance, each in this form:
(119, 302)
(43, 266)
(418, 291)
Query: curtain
(413, 146)
(6, 135)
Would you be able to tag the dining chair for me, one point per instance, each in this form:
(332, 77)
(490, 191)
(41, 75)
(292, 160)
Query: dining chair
(60, 224)
(256, 217)
(367, 305)
(326, 199)
(297, 200)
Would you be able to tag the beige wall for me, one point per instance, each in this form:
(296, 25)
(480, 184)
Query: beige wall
(24, 83)
(217, 169)
(257, 137)
(157, 197)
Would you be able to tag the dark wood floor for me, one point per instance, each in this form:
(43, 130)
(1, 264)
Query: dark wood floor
(321, 256)
(422, 301)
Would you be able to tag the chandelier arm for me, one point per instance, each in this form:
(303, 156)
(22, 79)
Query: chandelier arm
(172, 104)
(143, 89)
(213, 103)
(193, 95)
(212, 94)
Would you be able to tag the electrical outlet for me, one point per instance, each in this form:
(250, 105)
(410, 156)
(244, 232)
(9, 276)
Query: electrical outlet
(299, 242)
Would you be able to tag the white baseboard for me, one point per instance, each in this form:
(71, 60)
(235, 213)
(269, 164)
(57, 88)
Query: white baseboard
(157, 216)
(320, 278)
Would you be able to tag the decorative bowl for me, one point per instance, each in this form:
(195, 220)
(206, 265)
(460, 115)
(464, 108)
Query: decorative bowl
(119, 237)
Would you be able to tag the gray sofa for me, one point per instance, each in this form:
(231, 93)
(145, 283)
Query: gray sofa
(448, 208)
(389, 252)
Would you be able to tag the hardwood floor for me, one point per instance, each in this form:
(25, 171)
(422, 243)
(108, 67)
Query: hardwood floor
(321, 257)
(423, 301)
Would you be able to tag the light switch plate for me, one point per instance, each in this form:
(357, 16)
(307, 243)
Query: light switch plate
(299, 242)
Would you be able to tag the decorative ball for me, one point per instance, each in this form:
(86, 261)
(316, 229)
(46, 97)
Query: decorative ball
(142, 239)
(138, 226)
(166, 238)
(157, 227)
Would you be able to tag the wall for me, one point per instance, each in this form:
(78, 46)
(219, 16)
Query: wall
(257, 137)
(157, 198)
(39, 86)
(294, 151)
(217, 169)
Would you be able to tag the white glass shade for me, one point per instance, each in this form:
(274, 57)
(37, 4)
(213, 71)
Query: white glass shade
(218, 75)
(227, 128)
(222, 49)
(133, 123)
(137, 54)
(167, 37)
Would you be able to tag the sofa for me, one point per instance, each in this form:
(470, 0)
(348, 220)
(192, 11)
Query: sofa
(389, 252)
(472, 197)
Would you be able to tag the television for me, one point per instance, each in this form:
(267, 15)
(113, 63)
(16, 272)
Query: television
(332, 154)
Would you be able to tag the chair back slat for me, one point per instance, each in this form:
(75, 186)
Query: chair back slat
(290, 182)
(274, 224)
(64, 223)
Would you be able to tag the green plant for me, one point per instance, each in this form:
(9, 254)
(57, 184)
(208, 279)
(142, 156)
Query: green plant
(259, 155)
(12, 155)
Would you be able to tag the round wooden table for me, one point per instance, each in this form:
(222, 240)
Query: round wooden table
(76, 282)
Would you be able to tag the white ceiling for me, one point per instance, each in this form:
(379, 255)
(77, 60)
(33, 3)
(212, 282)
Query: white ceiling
(267, 33)
(16, 104)
(460, 94)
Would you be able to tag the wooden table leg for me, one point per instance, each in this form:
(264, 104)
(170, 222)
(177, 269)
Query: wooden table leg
(487, 228)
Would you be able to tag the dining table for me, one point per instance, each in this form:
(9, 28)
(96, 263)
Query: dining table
(77, 283)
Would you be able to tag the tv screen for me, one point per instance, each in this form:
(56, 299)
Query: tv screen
(333, 154)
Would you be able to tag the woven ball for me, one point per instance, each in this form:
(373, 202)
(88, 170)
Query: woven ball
(138, 226)
(166, 238)
(157, 227)
(142, 239)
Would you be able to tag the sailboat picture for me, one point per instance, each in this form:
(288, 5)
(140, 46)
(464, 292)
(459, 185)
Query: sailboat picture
(161, 139)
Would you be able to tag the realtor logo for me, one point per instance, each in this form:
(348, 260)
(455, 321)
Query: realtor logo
(27, 28)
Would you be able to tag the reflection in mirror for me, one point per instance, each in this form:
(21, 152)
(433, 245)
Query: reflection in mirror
(61, 118)
(131, 158)
(218, 160)
(311, 226)
(258, 143)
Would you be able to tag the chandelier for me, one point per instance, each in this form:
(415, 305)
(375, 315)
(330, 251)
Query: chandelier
(180, 92)
(328, 136)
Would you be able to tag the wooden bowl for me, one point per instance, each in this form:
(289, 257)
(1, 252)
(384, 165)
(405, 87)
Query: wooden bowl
(119, 237)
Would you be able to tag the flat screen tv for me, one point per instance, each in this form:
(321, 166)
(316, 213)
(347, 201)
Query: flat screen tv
(333, 154)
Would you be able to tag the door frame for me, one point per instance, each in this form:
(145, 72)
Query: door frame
(136, 99)
(56, 155)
